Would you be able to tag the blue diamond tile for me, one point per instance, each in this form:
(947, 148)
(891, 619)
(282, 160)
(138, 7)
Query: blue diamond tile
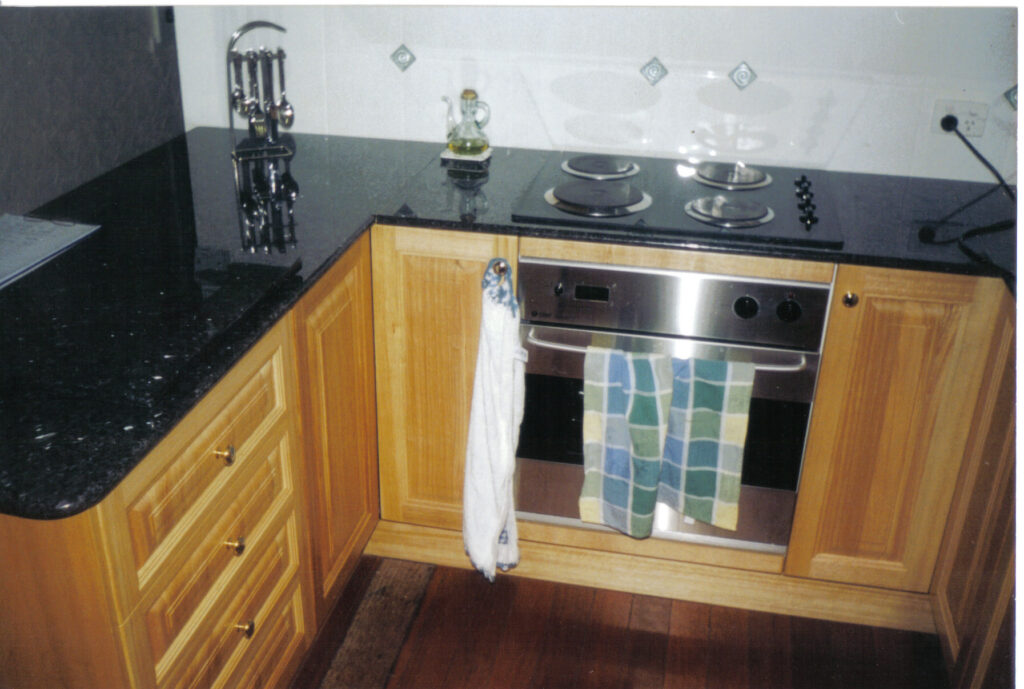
(743, 75)
(654, 71)
(403, 57)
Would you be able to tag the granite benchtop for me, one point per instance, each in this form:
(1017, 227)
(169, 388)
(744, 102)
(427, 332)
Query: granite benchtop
(106, 348)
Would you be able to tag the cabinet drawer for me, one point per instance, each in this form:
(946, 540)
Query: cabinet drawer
(214, 648)
(228, 546)
(188, 470)
(273, 661)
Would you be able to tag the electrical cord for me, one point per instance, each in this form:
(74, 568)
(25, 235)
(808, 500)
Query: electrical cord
(960, 209)
(949, 124)
(927, 233)
(927, 236)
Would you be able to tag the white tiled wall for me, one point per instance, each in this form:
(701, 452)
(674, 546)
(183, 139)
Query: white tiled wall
(837, 88)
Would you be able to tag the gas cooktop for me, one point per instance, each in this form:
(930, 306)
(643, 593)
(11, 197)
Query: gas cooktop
(730, 202)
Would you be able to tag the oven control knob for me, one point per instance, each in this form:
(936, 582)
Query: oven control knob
(745, 307)
(789, 310)
(802, 182)
(559, 289)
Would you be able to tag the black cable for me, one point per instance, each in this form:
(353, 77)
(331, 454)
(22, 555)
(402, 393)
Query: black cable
(1008, 276)
(939, 223)
(927, 236)
(927, 232)
(949, 123)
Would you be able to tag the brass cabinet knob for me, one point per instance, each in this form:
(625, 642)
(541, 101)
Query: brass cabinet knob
(238, 545)
(850, 300)
(249, 628)
(227, 455)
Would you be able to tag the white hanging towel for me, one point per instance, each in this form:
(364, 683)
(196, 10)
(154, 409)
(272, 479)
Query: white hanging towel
(488, 510)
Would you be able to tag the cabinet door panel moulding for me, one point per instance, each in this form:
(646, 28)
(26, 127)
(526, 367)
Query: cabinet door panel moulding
(973, 589)
(334, 347)
(426, 292)
(901, 373)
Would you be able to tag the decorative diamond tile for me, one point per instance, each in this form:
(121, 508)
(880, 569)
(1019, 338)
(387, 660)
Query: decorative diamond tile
(1011, 96)
(403, 57)
(743, 75)
(654, 71)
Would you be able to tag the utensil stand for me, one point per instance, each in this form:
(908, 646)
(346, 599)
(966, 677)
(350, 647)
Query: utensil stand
(265, 191)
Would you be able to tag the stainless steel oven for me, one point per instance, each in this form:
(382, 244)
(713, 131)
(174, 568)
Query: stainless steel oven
(776, 325)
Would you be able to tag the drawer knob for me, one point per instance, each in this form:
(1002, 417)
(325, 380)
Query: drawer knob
(249, 628)
(850, 300)
(238, 545)
(227, 455)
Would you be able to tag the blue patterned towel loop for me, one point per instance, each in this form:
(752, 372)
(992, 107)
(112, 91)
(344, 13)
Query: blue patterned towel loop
(497, 285)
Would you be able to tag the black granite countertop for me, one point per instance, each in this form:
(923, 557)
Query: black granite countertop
(104, 349)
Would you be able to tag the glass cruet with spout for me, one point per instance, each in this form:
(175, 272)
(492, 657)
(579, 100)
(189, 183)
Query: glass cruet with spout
(466, 137)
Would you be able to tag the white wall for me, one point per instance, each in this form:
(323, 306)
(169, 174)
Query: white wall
(837, 88)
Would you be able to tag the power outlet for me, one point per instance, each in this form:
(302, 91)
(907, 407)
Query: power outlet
(971, 116)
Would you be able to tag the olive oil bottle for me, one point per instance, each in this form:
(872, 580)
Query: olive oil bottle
(466, 137)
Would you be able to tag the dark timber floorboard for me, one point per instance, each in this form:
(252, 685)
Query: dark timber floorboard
(408, 626)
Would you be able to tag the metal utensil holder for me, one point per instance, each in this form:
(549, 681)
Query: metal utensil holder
(265, 191)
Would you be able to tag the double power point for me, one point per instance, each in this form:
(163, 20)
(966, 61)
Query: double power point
(971, 116)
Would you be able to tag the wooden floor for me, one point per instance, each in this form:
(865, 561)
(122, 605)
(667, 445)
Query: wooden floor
(416, 626)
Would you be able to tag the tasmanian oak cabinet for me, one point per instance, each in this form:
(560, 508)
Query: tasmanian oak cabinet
(974, 578)
(426, 301)
(214, 560)
(901, 374)
(192, 572)
(334, 338)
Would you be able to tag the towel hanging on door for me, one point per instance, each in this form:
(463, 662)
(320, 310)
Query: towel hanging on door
(662, 430)
(626, 399)
(488, 510)
(707, 429)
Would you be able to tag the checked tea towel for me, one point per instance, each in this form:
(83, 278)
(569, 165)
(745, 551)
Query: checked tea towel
(626, 399)
(661, 430)
(707, 428)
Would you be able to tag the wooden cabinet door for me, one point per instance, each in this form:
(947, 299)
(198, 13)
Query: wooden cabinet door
(426, 287)
(901, 371)
(974, 577)
(334, 332)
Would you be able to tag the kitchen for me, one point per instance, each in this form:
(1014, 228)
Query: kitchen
(850, 113)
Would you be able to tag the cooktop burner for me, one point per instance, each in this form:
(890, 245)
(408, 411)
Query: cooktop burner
(670, 198)
(597, 199)
(731, 176)
(600, 167)
(723, 211)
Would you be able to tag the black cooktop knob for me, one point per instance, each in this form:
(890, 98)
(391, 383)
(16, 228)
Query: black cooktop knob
(789, 311)
(745, 307)
(808, 219)
(804, 195)
(806, 206)
(802, 182)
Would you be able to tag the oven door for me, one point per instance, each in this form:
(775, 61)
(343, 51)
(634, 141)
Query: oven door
(550, 448)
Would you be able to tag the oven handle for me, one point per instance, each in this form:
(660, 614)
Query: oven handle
(576, 349)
